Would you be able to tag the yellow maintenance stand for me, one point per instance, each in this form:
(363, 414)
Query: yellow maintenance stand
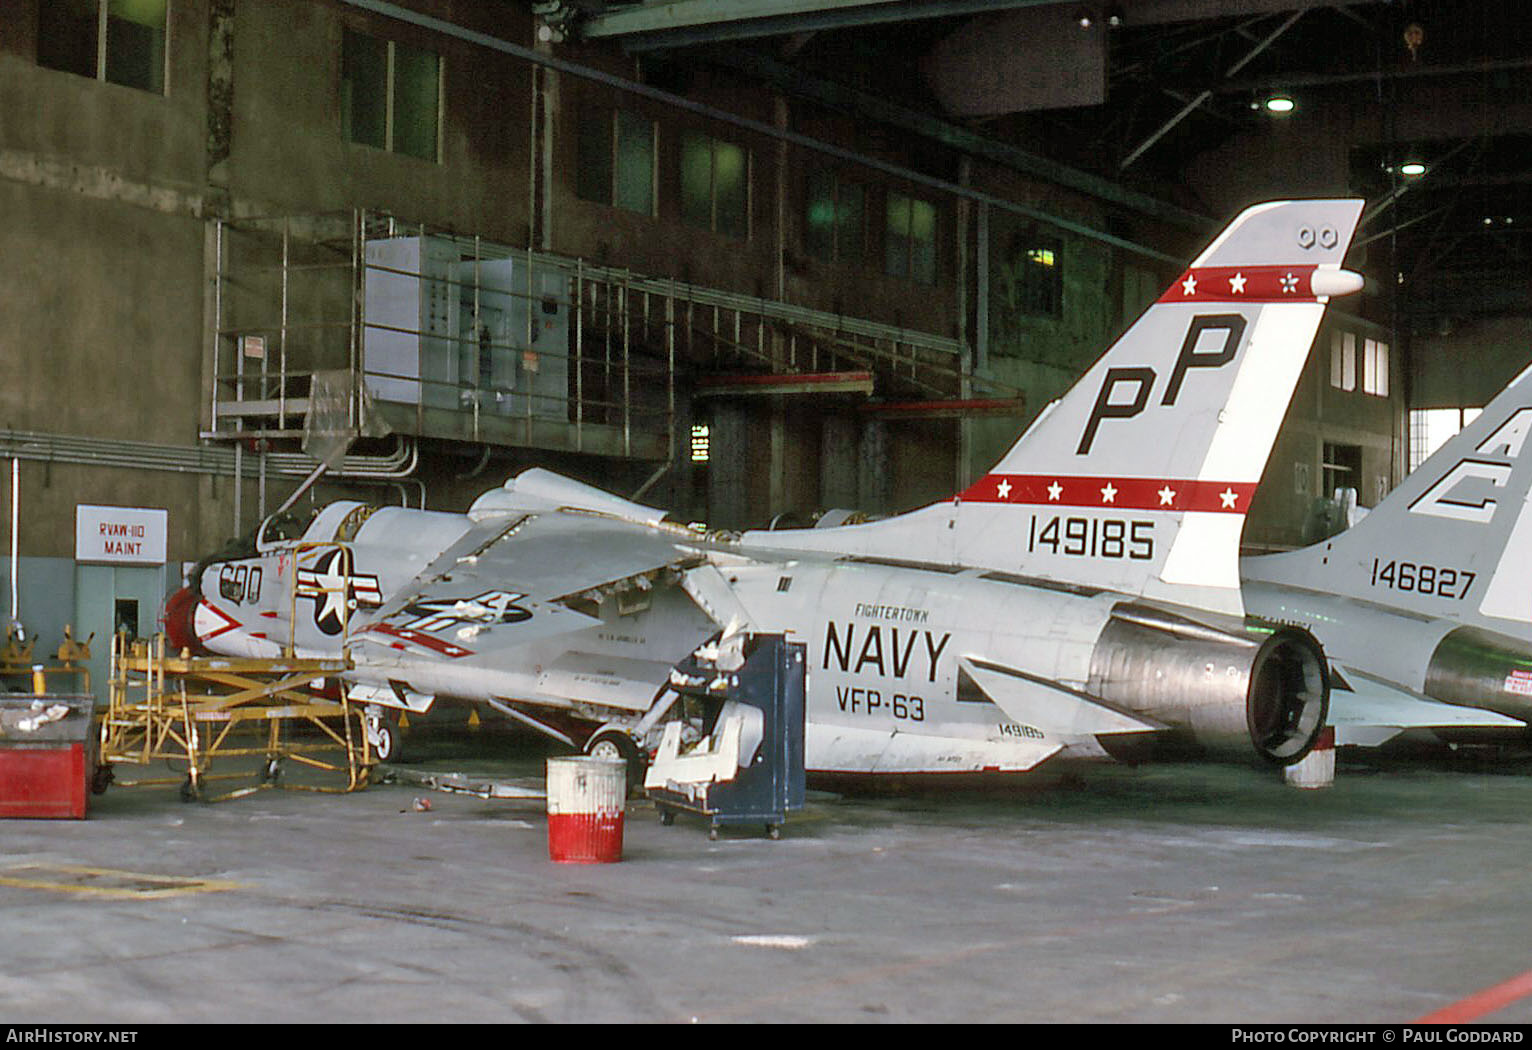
(205, 710)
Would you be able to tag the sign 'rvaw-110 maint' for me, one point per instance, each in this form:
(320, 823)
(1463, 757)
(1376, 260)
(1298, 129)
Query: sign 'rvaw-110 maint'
(1083, 594)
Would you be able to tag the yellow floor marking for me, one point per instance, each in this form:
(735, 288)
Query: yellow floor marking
(106, 882)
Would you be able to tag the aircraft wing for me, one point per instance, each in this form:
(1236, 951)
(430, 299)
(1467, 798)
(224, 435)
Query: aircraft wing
(514, 608)
(1368, 711)
(546, 557)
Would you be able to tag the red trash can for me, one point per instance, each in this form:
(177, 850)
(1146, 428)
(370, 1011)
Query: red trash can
(586, 799)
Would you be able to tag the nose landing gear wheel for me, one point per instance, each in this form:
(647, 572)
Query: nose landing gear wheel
(386, 737)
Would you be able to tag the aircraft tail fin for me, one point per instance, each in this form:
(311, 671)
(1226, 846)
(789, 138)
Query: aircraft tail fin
(1453, 539)
(1138, 479)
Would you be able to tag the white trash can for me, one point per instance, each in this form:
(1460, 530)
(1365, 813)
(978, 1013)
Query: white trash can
(586, 800)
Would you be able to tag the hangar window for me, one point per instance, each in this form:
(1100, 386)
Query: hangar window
(616, 159)
(390, 95)
(834, 226)
(1343, 360)
(702, 443)
(121, 41)
(1036, 265)
(1430, 428)
(910, 239)
(715, 185)
(1374, 367)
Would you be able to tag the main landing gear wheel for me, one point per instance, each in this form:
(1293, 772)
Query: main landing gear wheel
(386, 737)
(616, 745)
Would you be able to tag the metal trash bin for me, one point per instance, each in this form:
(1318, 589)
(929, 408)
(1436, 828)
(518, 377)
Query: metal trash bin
(586, 800)
(47, 754)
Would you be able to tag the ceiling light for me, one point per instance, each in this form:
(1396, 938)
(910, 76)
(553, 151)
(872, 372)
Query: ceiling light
(1412, 169)
(1280, 104)
(1084, 19)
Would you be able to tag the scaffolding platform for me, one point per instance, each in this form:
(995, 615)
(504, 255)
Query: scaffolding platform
(208, 714)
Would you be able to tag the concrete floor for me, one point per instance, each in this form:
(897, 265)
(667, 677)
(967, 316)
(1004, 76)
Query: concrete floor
(1172, 893)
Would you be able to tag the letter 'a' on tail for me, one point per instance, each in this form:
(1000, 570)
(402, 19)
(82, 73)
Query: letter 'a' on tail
(1454, 539)
(1139, 478)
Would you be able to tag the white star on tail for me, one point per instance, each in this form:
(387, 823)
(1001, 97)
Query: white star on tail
(1004, 488)
(1055, 491)
(1289, 284)
(1228, 496)
(1109, 494)
(1167, 496)
(1189, 286)
(1237, 284)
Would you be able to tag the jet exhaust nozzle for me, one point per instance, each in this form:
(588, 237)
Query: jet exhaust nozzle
(1473, 667)
(1263, 691)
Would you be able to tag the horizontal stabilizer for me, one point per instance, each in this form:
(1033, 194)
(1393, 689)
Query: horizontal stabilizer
(1369, 711)
(1056, 709)
(853, 749)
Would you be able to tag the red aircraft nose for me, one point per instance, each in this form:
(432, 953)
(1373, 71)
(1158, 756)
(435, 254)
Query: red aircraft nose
(180, 609)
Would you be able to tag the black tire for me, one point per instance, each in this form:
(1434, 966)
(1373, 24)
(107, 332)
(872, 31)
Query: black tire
(102, 779)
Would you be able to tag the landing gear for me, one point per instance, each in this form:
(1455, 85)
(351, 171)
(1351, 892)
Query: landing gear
(619, 746)
(385, 735)
(191, 791)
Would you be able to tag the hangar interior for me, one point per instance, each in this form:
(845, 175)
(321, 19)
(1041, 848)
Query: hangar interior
(753, 262)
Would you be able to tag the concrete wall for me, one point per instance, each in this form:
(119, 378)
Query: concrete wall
(108, 197)
(1470, 363)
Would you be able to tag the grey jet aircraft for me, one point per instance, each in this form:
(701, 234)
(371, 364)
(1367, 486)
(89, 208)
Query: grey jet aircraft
(1428, 595)
(1081, 596)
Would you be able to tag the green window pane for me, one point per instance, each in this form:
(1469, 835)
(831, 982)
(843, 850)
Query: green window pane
(66, 35)
(697, 180)
(417, 92)
(635, 163)
(731, 187)
(135, 44)
(896, 241)
(923, 242)
(593, 180)
(819, 217)
(849, 224)
(364, 89)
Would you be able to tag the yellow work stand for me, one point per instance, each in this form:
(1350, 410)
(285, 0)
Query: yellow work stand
(207, 710)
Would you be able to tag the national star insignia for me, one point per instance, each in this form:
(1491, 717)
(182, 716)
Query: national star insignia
(1189, 286)
(1055, 491)
(1109, 494)
(1289, 284)
(1167, 496)
(1004, 488)
(1228, 496)
(1237, 284)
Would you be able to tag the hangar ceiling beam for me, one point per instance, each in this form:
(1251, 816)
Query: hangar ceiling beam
(681, 23)
(794, 82)
(660, 24)
(1203, 96)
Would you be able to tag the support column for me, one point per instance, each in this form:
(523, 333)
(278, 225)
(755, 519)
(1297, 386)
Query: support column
(727, 483)
(838, 463)
(874, 488)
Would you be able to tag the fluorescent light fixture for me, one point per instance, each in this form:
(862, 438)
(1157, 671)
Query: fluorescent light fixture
(1412, 169)
(1279, 104)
